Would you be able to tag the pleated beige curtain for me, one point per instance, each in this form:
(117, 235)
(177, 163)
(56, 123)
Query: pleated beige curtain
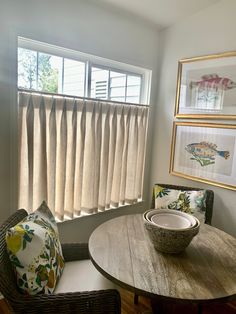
(81, 156)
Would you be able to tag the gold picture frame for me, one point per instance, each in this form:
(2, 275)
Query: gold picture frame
(204, 152)
(206, 87)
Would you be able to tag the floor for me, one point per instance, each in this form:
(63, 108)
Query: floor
(144, 306)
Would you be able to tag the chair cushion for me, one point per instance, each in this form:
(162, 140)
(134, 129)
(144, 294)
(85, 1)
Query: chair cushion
(82, 276)
(192, 202)
(35, 252)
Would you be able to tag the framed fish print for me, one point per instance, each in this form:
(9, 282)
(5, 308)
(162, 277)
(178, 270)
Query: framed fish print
(204, 152)
(206, 87)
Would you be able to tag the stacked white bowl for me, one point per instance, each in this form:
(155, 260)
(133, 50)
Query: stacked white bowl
(170, 231)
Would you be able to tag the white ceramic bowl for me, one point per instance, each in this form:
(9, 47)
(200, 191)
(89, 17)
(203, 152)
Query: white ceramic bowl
(171, 221)
(150, 213)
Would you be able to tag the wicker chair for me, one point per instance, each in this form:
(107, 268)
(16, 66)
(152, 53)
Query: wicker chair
(209, 207)
(100, 301)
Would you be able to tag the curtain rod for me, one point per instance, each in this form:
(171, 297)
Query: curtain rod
(25, 90)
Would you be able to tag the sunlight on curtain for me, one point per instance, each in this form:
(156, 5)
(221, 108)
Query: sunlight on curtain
(81, 156)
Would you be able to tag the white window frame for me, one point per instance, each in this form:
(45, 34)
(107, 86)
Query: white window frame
(112, 69)
(92, 60)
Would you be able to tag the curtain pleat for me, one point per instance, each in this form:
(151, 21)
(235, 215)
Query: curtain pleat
(116, 182)
(80, 138)
(111, 154)
(51, 151)
(81, 156)
(104, 157)
(40, 161)
(125, 154)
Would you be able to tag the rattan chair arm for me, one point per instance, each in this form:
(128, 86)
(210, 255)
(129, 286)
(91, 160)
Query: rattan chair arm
(75, 251)
(92, 302)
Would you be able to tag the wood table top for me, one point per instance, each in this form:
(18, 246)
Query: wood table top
(121, 250)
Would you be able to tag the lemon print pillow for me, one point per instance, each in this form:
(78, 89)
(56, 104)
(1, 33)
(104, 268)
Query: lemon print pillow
(35, 252)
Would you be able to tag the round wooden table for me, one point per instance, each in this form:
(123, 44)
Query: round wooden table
(206, 271)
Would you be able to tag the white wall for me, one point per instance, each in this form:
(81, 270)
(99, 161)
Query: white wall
(207, 32)
(79, 25)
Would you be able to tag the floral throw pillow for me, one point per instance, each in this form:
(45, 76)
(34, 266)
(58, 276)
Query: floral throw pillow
(191, 202)
(35, 252)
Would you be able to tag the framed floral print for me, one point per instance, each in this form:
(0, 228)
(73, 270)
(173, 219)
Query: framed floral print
(204, 152)
(206, 87)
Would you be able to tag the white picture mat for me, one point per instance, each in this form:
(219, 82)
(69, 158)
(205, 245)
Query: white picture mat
(223, 170)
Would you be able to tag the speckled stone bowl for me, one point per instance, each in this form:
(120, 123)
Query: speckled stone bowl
(170, 241)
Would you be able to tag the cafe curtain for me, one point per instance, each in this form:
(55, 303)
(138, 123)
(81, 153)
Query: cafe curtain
(81, 156)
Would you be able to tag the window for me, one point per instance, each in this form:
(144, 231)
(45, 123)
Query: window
(47, 68)
(49, 73)
(114, 85)
(79, 154)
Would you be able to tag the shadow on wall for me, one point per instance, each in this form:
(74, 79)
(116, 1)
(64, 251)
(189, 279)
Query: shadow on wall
(80, 229)
(221, 216)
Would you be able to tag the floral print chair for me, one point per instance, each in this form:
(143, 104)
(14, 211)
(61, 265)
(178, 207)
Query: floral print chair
(76, 291)
(208, 199)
